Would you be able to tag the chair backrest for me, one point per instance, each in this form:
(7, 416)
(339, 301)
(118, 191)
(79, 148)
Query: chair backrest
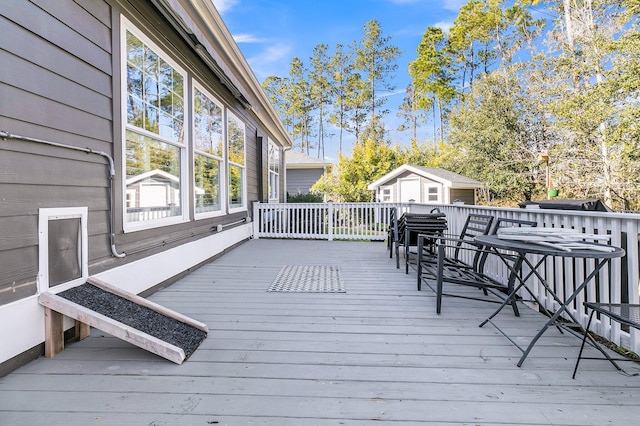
(476, 224)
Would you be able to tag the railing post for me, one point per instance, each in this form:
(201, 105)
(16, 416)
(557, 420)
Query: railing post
(330, 220)
(256, 220)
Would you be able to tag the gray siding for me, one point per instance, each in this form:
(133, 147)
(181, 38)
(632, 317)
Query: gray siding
(55, 84)
(299, 181)
(59, 81)
(466, 195)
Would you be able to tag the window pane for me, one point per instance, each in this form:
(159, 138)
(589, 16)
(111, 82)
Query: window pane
(207, 117)
(154, 92)
(153, 179)
(207, 190)
(274, 167)
(236, 140)
(235, 186)
(274, 158)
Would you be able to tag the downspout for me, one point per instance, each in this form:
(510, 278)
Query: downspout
(260, 159)
(112, 172)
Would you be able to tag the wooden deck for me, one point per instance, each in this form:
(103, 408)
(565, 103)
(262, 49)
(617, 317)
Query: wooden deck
(377, 354)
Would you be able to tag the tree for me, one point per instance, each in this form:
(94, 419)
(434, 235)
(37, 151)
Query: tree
(377, 59)
(300, 105)
(496, 134)
(594, 95)
(339, 83)
(431, 76)
(409, 113)
(319, 81)
(369, 161)
(278, 91)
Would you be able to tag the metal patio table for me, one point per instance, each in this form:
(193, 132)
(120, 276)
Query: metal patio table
(514, 253)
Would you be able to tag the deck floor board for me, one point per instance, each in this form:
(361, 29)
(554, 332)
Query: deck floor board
(377, 354)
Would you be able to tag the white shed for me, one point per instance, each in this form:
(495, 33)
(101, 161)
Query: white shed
(424, 185)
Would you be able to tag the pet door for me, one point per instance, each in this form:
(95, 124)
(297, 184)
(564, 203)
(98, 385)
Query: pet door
(63, 248)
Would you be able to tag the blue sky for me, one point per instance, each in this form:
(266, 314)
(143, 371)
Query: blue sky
(271, 32)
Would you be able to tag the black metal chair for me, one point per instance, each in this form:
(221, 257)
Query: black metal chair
(454, 270)
(475, 224)
(432, 224)
(403, 230)
(392, 230)
(627, 314)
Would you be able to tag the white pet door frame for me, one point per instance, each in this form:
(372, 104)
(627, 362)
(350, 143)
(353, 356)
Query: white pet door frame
(63, 248)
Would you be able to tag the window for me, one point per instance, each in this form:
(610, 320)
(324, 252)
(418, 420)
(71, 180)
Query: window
(433, 193)
(236, 158)
(156, 152)
(208, 153)
(274, 172)
(386, 194)
(155, 147)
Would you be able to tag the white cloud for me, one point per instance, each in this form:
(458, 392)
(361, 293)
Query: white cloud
(444, 25)
(454, 5)
(247, 38)
(224, 5)
(274, 60)
(274, 53)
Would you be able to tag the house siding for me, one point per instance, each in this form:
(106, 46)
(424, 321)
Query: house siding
(299, 181)
(55, 84)
(466, 195)
(60, 82)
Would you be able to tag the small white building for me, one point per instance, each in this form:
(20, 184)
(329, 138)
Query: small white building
(424, 185)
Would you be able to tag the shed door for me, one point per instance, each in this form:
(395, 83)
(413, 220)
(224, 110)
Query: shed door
(410, 190)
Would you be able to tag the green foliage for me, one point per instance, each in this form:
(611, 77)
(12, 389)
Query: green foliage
(491, 132)
(304, 198)
(500, 87)
(369, 161)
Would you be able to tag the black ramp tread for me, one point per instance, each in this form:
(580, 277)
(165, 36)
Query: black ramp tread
(153, 323)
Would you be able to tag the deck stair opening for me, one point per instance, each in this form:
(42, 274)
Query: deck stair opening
(124, 315)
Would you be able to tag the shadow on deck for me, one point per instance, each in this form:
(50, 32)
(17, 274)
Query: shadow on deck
(376, 353)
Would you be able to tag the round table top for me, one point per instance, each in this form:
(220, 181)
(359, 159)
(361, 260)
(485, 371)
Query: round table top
(524, 247)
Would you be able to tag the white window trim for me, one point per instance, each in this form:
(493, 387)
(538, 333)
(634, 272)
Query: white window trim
(230, 163)
(270, 144)
(428, 185)
(223, 166)
(185, 191)
(46, 215)
(382, 189)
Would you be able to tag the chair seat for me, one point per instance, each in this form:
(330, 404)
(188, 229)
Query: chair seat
(447, 265)
(624, 313)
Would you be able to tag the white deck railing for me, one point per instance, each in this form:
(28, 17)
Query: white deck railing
(324, 221)
(617, 282)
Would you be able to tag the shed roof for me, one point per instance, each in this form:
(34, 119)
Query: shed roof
(299, 160)
(445, 177)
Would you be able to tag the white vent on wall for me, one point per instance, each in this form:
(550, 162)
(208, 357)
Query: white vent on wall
(63, 248)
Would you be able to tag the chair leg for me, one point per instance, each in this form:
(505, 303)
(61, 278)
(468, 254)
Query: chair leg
(584, 340)
(419, 263)
(439, 279)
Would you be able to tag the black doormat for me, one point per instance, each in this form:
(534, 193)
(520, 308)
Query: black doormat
(153, 323)
(309, 279)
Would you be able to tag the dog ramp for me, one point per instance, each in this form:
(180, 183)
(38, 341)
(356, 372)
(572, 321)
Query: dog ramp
(124, 315)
